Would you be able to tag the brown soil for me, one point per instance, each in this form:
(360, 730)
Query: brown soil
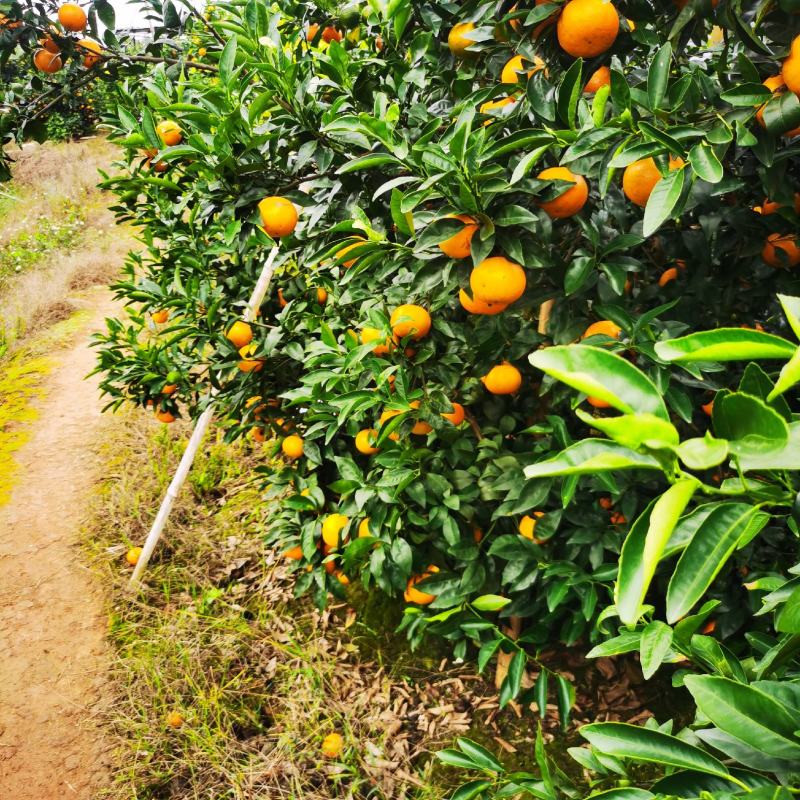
(52, 627)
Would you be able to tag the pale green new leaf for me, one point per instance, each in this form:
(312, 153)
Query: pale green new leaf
(724, 344)
(591, 456)
(790, 375)
(635, 430)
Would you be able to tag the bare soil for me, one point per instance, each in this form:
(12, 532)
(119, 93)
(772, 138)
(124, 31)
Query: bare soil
(52, 626)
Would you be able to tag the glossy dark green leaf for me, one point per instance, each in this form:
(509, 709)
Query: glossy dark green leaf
(658, 76)
(705, 163)
(663, 201)
(746, 94)
(654, 646)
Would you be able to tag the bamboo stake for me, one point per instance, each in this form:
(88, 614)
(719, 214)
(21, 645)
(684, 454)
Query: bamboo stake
(544, 315)
(199, 432)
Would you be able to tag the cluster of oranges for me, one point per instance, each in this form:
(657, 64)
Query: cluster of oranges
(73, 20)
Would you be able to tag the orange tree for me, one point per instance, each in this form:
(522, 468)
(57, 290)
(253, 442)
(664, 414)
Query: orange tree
(468, 184)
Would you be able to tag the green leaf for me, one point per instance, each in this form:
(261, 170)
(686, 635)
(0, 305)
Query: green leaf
(513, 680)
(707, 553)
(569, 91)
(565, 698)
(703, 453)
(470, 789)
(479, 755)
(490, 602)
(540, 692)
(746, 94)
(662, 201)
(367, 162)
(791, 309)
(782, 113)
(643, 744)
(626, 642)
(227, 61)
(634, 430)
(655, 644)
(590, 456)
(746, 713)
(599, 373)
(749, 424)
(705, 163)
(658, 76)
(789, 376)
(724, 344)
(787, 620)
(643, 548)
(786, 457)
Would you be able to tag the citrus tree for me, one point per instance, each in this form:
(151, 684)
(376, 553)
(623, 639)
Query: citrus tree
(450, 188)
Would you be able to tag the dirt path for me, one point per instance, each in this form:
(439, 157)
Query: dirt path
(52, 651)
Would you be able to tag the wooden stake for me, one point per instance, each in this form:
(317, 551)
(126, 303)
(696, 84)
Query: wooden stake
(199, 432)
(544, 315)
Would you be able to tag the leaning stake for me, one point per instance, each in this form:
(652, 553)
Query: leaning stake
(200, 428)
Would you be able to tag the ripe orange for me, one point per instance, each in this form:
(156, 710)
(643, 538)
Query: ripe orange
(332, 529)
(247, 363)
(606, 502)
(414, 595)
(132, 556)
(294, 553)
(312, 31)
(668, 275)
(165, 416)
(410, 320)
(420, 428)
(47, 62)
(527, 525)
(364, 441)
(497, 280)
(572, 200)
(240, 334)
(49, 44)
(477, 534)
(617, 518)
(322, 296)
(457, 39)
(341, 577)
(640, 178)
(72, 17)
(597, 402)
(161, 316)
(605, 327)
(791, 67)
(514, 66)
(349, 263)
(363, 528)
(781, 250)
(278, 216)
(457, 415)
(169, 389)
(169, 132)
(332, 745)
(158, 166)
(505, 378)
(369, 335)
(292, 446)
(258, 435)
(478, 306)
(587, 28)
(458, 245)
(329, 34)
(384, 418)
(91, 57)
(600, 77)
(174, 719)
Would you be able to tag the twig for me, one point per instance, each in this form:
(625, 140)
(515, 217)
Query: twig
(161, 60)
(55, 100)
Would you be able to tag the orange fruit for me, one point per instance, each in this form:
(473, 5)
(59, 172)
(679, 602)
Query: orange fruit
(587, 28)
(414, 595)
(420, 428)
(292, 446)
(174, 719)
(161, 316)
(132, 556)
(169, 389)
(278, 216)
(527, 525)
(457, 39)
(791, 68)
(91, 57)
(605, 327)
(572, 200)
(606, 502)
(341, 577)
(458, 245)
(384, 418)
(240, 334)
(165, 416)
(332, 745)
(169, 132)
(158, 166)
(505, 378)
(312, 31)
(514, 66)
(781, 250)
(668, 275)
(282, 301)
(49, 44)
(617, 518)
(363, 528)
(477, 535)
(47, 62)
(495, 105)
(457, 415)
(640, 178)
(72, 17)
(330, 34)
(247, 363)
(364, 441)
(410, 320)
(478, 306)
(344, 250)
(597, 402)
(369, 335)
(332, 529)
(497, 280)
(294, 553)
(599, 78)
(258, 435)
(322, 296)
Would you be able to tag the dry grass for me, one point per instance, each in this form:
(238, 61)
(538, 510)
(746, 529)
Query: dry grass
(259, 677)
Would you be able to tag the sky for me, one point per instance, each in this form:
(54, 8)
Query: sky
(129, 15)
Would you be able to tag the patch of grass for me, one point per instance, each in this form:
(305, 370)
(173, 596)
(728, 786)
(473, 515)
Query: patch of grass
(258, 677)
